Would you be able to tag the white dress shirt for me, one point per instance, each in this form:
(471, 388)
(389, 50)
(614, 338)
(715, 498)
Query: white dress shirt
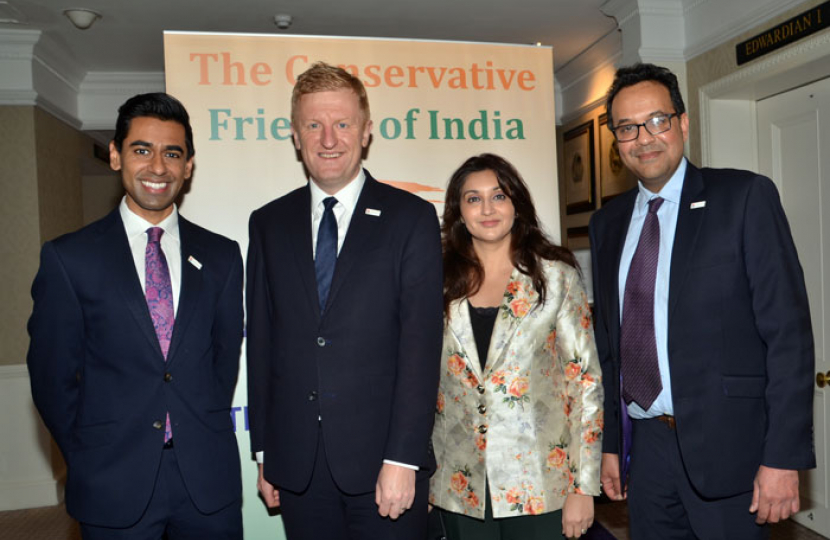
(136, 229)
(667, 217)
(343, 210)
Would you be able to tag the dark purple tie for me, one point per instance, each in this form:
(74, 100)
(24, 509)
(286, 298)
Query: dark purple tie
(159, 293)
(638, 346)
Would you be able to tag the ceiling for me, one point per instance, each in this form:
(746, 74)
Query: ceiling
(129, 36)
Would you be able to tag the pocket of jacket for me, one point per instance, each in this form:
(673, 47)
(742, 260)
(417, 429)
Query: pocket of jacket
(744, 387)
(92, 435)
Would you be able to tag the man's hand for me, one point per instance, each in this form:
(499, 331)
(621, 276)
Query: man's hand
(395, 490)
(774, 495)
(269, 493)
(609, 477)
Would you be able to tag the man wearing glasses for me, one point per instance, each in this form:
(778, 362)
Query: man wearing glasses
(703, 331)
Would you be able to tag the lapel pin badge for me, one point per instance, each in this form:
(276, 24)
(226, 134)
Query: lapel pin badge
(372, 212)
(698, 204)
(192, 260)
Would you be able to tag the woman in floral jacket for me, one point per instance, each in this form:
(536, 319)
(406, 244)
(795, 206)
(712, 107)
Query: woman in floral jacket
(518, 423)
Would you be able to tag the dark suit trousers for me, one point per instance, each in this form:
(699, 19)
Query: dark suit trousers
(323, 511)
(662, 503)
(172, 515)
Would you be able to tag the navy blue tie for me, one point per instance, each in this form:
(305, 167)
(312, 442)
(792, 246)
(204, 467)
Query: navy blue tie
(326, 254)
(638, 346)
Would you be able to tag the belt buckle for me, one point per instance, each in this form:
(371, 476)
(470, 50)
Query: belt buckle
(668, 420)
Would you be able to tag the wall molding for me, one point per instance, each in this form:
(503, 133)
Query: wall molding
(27, 478)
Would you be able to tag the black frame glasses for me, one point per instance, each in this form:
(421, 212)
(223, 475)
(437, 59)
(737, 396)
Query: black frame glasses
(655, 125)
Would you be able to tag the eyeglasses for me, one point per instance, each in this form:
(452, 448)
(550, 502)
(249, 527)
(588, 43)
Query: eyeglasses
(654, 125)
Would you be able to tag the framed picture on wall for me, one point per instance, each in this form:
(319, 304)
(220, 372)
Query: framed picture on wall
(614, 177)
(577, 238)
(578, 168)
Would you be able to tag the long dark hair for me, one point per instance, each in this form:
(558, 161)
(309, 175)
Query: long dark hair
(463, 272)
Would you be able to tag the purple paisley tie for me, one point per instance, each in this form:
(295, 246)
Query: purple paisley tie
(159, 292)
(638, 346)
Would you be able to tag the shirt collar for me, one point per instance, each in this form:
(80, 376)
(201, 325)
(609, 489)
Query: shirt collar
(135, 225)
(347, 196)
(670, 192)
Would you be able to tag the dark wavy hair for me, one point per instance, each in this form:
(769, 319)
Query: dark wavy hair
(463, 272)
(640, 72)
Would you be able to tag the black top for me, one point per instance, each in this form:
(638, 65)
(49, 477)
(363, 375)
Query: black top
(482, 320)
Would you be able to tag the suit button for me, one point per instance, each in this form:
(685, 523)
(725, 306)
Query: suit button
(480, 389)
(482, 429)
(312, 396)
(168, 377)
(158, 424)
(321, 342)
(482, 408)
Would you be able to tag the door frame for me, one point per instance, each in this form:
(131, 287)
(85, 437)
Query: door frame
(727, 105)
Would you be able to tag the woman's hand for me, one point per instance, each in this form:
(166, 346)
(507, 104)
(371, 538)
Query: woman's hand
(577, 515)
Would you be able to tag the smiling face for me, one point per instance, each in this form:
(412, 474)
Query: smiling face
(487, 211)
(652, 158)
(154, 166)
(330, 132)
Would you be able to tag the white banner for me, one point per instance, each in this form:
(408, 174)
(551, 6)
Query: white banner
(434, 104)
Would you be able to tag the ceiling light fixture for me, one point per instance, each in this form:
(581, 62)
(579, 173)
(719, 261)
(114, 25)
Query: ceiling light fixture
(82, 18)
(283, 21)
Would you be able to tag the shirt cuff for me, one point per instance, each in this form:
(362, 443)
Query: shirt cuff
(260, 457)
(405, 465)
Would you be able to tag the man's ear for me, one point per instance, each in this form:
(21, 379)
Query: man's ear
(115, 157)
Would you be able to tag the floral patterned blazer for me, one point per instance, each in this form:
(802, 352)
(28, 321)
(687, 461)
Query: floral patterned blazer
(531, 423)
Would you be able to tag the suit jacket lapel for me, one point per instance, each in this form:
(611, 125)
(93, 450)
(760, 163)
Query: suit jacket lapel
(359, 237)
(616, 230)
(120, 259)
(462, 329)
(298, 224)
(191, 285)
(519, 300)
(686, 233)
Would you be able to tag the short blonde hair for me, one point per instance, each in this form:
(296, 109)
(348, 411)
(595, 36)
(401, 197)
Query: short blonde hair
(322, 77)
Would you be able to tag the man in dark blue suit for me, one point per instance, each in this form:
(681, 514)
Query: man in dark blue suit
(344, 332)
(135, 341)
(703, 330)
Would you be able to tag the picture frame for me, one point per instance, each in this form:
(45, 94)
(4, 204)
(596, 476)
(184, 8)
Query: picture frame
(614, 176)
(577, 238)
(578, 169)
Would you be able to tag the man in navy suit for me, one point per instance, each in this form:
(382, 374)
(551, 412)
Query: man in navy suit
(344, 332)
(715, 362)
(135, 340)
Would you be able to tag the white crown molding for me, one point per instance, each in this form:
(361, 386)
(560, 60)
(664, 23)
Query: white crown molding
(103, 92)
(9, 37)
(812, 48)
(17, 97)
(106, 82)
(584, 109)
(662, 8)
(712, 36)
(606, 50)
(58, 112)
(658, 55)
